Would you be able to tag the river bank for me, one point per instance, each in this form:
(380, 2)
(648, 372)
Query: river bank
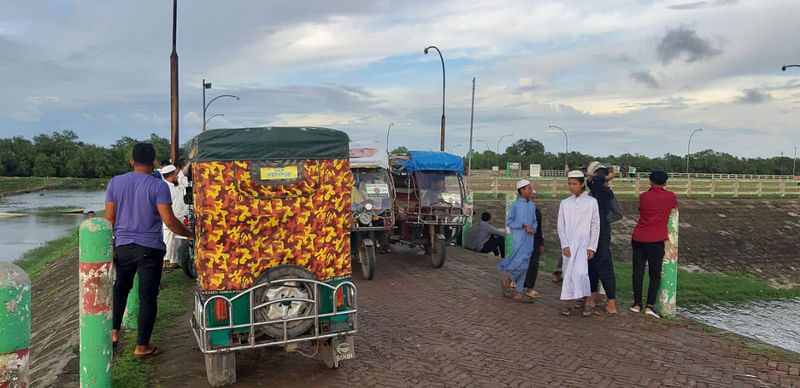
(22, 185)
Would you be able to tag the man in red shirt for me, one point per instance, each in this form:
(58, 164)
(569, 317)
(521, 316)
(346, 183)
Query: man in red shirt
(648, 239)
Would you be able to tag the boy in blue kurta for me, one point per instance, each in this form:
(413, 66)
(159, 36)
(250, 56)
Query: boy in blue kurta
(521, 220)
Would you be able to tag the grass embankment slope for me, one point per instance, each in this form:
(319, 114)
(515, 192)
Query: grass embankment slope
(128, 370)
(20, 185)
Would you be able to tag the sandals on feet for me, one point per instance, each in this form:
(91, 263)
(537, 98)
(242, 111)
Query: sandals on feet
(566, 311)
(153, 352)
(588, 311)
(522, 298)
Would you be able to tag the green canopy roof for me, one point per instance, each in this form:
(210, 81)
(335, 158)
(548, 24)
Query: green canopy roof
(269, 143)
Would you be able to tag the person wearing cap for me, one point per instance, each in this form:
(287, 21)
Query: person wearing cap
(648, 238)
(521, 220)
(579, 231)
(538, 249)
(180, 209)
(601, 268)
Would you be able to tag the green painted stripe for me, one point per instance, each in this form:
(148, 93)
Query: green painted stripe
(15, 308)
(96, 351)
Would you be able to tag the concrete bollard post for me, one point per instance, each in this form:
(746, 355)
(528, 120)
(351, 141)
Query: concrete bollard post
(469, 205)
(130, 319)
(96, 255)
(15, 326)
(667, 289)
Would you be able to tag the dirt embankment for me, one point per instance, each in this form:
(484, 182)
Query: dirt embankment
(55, 340)
(753, 236)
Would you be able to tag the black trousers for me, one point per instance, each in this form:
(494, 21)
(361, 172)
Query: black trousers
(651, 254)
(130, 260)
(533, 269)
(496, 245)
(601, 269)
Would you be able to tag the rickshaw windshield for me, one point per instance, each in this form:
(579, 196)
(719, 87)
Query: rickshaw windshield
(372, 185)
(438, 188)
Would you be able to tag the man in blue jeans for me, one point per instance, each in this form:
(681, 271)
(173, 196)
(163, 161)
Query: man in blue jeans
(136, 204)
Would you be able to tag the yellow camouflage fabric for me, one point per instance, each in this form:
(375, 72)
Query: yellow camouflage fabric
(245, 228)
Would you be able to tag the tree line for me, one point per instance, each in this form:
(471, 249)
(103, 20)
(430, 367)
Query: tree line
(62, 154)
(531, 151)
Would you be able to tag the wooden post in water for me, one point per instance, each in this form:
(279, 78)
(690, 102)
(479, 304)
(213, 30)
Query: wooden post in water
(15, 325)
(667, 289)
(96, 254)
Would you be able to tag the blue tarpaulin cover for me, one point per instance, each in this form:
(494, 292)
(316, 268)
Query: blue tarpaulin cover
(433, 161)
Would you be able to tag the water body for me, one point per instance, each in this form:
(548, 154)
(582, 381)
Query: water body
(22, 233)
(774, 322)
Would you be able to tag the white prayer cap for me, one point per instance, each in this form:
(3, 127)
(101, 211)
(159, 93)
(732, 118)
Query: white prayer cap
(167, 169)
(522, 183)
(592, 167)
(575, 174)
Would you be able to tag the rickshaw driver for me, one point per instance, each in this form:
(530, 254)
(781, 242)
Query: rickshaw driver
(436, 187)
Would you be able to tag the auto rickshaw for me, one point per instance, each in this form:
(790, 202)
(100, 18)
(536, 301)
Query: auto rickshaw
(272, 252)
(373, 203)
(430, 200)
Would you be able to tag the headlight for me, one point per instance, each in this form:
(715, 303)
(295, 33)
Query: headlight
(365, 218)
(368, 206)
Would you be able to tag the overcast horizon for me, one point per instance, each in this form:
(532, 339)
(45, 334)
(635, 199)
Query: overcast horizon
(618, 76)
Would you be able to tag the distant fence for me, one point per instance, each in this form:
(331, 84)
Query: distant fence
(685, 187)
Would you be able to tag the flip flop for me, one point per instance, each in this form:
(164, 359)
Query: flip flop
(599, 311)
(566, 312)
(524, 299)
(154, 352)
(588, 311)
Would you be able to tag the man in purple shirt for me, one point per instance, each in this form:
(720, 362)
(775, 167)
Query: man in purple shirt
(136, 204)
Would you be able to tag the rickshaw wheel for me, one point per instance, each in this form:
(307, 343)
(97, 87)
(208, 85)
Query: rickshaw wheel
(289, 309)
(186, 259)
(366, 255)
(438, 253)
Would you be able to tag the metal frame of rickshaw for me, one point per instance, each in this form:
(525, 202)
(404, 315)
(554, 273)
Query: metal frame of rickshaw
(431, 218)
(392, 214)
(201, 328)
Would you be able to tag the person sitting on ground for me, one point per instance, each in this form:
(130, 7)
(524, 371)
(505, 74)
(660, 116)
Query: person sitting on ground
(136, 204)
(655, 206)
(487, 238)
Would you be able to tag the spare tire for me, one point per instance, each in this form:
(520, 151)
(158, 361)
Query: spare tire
(293, 309)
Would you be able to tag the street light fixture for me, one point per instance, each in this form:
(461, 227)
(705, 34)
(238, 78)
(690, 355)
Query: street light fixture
(784, 67)
(497, 153)
(453, 148)
(442, 58)
(566, 146)
(687, 148)
(214, 115)
(205, 107)
(387, 138)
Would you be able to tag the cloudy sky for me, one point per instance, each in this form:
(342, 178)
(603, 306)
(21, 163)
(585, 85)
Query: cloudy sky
(619, 76)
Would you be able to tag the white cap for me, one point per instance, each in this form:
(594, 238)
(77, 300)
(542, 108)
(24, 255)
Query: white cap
(575, 174)
(167, 169)
(522, 183)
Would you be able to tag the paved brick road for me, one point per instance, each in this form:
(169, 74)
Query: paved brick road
(451, 327)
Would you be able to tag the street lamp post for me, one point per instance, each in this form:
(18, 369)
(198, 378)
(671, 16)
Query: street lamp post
(173, 80)
(497, 153)
(205, 107)
(687, 148)
(794, 160)
(206, 85)
(566, 146)
(387, 138)
(441, 147)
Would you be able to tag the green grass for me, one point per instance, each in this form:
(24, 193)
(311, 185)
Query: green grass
(35, 260)
(22, 184)
(696, 287)
(130, 371)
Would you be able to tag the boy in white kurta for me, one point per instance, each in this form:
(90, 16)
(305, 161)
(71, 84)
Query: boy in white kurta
(579, 230)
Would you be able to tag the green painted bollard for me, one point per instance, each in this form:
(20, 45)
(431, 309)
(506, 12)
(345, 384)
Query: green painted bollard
(131, 317)
(470, 208)
(667, 289)
(510, 198)
(15, 325)
(96, 255)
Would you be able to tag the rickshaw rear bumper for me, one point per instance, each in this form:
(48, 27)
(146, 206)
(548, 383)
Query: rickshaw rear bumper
(341, 321)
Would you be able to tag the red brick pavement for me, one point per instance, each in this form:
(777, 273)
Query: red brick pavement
(451, 328)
